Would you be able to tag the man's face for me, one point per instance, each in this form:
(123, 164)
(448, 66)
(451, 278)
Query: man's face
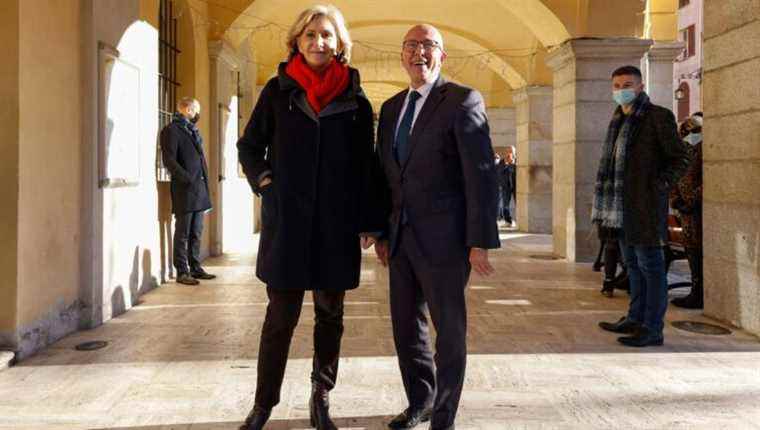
(625, 82)
(509, 156)
(191, 110)
(422, 54)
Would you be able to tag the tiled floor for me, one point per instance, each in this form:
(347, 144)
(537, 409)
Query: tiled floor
(186, 358)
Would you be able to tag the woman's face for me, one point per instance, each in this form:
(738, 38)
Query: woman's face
(318, 43)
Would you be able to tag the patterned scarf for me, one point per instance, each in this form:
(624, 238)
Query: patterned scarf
(188, 127)
(609, 190)
(320, 89)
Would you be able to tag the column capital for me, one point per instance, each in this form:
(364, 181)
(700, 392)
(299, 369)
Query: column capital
(524, 93)
(596, 49)
(221, 50)
(665, 51)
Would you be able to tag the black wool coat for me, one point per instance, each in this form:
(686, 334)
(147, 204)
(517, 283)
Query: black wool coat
(183, 157)
(320, 197)
(655, 161)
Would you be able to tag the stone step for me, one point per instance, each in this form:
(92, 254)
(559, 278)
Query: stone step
(6, 358)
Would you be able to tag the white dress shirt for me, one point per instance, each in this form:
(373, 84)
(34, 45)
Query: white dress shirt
(424, 93)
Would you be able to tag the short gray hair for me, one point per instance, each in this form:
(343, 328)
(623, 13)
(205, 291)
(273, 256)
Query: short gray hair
(330, 12)
(184, 102)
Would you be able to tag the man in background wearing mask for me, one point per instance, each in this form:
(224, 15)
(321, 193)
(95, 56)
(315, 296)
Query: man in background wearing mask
(182, 153)
(686, 198)
(642, 158)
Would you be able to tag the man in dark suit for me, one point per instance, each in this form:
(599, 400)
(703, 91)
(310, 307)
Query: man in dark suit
(182, 154)
(507, 173)
(435, 152)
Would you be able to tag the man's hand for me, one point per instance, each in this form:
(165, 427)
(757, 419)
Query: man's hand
(479, 261)
(367, 241)
(381, 249)
(264, 182)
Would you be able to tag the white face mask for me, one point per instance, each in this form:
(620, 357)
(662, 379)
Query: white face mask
(693, 138)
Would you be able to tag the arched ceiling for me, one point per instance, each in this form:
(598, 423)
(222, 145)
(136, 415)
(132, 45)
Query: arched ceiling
(493, 45)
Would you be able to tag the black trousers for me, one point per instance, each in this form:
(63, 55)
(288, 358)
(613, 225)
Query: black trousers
(187, 241)
(416, 285)
(506, 198)
(283, 312)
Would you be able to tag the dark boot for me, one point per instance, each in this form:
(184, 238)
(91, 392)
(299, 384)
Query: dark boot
(256, 419)
(319, 408)
(695, 298)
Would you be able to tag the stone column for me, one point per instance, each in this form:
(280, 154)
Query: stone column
(501, 122)
(657, 68)
(533, 106)
(223, 65)
(731, 155)
(583, 107)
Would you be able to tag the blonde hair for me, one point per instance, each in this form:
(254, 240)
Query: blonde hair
(330, 12)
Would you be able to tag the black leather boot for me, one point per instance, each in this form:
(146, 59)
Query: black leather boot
(256, 419)
(695, 299)
(319, 408)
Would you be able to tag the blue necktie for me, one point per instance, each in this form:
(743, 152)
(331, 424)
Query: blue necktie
(402, 135)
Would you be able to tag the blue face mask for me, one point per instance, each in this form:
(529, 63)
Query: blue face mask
(694, 138)
(624, 97)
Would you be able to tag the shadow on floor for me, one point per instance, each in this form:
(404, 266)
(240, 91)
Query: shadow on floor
(355, 423)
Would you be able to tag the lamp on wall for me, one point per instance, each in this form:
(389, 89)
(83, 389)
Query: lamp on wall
(680, 93)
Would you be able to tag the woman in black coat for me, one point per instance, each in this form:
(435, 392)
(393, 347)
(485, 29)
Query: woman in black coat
(308, 151)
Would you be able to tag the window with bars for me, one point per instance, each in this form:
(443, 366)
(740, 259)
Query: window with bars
(168, 52)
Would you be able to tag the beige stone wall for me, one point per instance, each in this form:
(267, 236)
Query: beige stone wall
(49, 164)
(501, 122)
(732, 162)
(9, 117)
(534, 168)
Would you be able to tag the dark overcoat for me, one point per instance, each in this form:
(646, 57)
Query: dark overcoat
(446, 190)
(655, 160)
(320, 196)
(182, 154)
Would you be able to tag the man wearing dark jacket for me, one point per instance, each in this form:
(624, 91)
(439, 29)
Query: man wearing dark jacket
(182, 154)
(642, 159)
(507, 173)
(442, 223)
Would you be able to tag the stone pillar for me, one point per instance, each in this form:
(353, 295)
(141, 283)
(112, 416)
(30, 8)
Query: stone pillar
(501, 122)
(223, 65)
(657, 68)
(731, 153)
(583, 107)
(533, 107)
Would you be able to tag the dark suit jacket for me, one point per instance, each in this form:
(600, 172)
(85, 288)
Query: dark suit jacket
(448, 187)
(184, 158)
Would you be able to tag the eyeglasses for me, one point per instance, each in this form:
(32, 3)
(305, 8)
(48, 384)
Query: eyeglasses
(427, 45)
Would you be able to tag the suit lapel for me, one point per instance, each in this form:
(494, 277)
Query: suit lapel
(436, 96)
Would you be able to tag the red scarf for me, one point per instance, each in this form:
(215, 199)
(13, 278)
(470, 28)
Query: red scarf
(320, 89)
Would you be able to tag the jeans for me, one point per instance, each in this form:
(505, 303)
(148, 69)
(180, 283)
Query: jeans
(649, 285)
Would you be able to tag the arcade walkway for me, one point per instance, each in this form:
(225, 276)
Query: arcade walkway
(186, 358)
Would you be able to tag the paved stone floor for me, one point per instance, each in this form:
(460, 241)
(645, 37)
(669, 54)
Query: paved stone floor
(186, 358)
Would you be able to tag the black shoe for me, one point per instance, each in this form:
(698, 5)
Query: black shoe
(201, 274)
(185, 278)
(608, 288)
(643, 338)
(692, 301)
(623, 325)
(410, 418)
(319, 408)
(256, 419)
